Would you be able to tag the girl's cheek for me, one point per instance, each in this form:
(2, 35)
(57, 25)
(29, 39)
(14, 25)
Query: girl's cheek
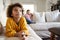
(21, 13)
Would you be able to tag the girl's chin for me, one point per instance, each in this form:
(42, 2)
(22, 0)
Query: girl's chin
(17, 17)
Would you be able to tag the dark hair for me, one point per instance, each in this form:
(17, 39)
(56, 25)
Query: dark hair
(28, 10)
(10, 8)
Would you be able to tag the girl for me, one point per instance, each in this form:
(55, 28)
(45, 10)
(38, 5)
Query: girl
(16, 24)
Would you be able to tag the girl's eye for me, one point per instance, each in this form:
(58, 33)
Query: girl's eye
(16, 10)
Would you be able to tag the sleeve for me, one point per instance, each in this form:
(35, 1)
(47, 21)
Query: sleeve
(23, 25)
(9, 30)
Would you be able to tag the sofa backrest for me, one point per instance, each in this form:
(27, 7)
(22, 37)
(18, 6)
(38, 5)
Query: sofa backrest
(39, 17)
(47, 16)
(52, 16)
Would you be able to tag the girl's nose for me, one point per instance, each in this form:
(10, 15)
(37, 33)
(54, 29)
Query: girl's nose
(17, 12)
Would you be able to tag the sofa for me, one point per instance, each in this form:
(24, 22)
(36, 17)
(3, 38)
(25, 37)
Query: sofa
(44, 21)
(32, 36)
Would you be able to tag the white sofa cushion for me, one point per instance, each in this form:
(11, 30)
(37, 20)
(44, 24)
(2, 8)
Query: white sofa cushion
(38, 17)
(52, 16)
(58, 19)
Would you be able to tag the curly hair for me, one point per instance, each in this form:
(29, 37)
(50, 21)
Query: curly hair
(10, 8)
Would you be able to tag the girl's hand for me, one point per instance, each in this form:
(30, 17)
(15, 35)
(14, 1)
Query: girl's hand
(21, 35)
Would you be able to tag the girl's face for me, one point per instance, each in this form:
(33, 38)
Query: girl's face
(28, 12)
(16, 12)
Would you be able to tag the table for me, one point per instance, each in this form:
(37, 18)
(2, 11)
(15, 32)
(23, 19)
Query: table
(54, 31)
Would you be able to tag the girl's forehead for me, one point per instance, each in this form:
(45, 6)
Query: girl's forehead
(17, 8)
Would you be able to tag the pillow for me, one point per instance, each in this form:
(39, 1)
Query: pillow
(38, 17)
(58, 19)
(52, 16)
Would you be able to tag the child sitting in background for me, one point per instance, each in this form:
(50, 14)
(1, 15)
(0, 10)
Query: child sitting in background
(29, 17)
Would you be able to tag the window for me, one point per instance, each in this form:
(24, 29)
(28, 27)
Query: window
(28, 6)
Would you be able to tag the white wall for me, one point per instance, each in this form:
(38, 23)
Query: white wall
(39, 4)
(26, 2)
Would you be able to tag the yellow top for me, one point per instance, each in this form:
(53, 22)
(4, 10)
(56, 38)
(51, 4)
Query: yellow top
(12, 27)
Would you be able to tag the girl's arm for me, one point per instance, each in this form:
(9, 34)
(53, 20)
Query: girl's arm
(23, 25)
(9, 31)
